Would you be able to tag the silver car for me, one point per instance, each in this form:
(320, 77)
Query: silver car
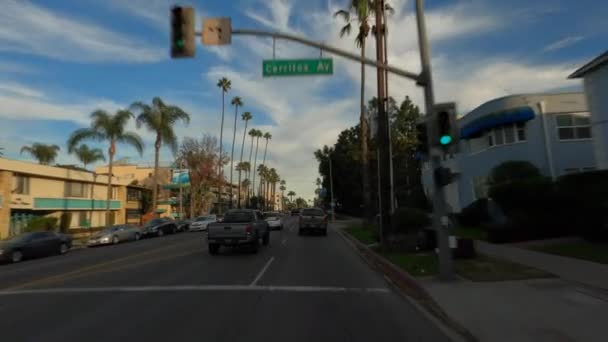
(115, 235)
(200, 223)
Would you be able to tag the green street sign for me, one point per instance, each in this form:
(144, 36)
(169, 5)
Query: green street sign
(297, 67)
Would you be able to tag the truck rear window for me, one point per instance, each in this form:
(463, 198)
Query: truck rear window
(312, 212)
(238, 217)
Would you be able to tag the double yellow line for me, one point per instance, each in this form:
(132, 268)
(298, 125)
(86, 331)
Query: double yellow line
(105, 267)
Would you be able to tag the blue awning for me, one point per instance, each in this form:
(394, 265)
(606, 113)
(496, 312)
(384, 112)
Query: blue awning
(477, 126)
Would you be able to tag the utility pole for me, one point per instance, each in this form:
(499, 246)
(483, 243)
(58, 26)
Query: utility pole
(181, 191)
(384, 173)
(331, 191)
(439, 218)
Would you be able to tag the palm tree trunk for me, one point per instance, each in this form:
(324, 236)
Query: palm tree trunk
(265, 149)
(111, 152)
(155, 179)
(367, 198)
(241, 161)
(219, 166)
(249, 187)
(236, 110)
(255, 160)
(238, 201)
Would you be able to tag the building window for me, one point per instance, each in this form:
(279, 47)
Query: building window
(75, 189)
(509, 134)
(83, 220)
(490, 139)
(21, 185)
(133, 195)
(498, 136)
(573, 126)
(520, 127)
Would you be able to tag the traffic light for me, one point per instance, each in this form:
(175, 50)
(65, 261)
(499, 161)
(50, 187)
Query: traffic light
(446, 125)
(422, 138)
(443, 176)
(182, 32)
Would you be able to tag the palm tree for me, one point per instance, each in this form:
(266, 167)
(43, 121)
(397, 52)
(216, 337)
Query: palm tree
(43, 153)
(111, 128)
(87, 155)
(159, 118)
(258, 135)
(273, 179)
(246, 117)
(241, 167)
(267, 136)
(246, 184)
(236, 102)
(282, 188)
(224, 84)
(291, 193)
(363, 10)
(262, 172)
(1, 153)
(252, 133)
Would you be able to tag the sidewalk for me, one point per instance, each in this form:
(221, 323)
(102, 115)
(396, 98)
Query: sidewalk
(532, 310)
(574, 270)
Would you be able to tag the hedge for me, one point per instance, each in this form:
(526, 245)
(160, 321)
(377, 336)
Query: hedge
(409, 220)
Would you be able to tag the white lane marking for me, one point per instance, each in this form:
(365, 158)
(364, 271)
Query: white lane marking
(255, 281)
(197, 288)
(284, 242)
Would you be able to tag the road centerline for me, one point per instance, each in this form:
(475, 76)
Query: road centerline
(262, 271)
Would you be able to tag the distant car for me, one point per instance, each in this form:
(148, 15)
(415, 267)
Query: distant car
(240, 227)
(183, 225)
(312, 220)
(115, 235)
(34, 245)
(274, 220)
(159, 227)
(200, 223)
(295, 212)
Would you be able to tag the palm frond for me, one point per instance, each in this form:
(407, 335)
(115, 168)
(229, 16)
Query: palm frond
(133, 139)
(83, 134)
(345, 30)
(344, 14)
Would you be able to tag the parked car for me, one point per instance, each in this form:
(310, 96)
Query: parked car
(239, 227)
(312, 220)
(115, 235)
(274, 220)
(200, 223)
(183, 225)
(295, 212)
(159, 227)
(33, 245)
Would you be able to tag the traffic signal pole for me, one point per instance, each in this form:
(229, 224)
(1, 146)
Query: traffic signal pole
(439, 220)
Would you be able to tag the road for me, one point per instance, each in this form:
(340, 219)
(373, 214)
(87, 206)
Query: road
(299, 288)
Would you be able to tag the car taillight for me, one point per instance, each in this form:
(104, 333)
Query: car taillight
(248, 228)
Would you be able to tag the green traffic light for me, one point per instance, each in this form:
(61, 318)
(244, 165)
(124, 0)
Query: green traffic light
(180, 43)
(445, 140)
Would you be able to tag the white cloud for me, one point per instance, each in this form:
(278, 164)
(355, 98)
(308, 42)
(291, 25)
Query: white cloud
(563, 43)
(9, 67)
(28, 28)
(15, 88)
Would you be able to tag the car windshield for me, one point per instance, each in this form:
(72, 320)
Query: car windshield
(271, 216)
(240, 216)
(204, 218)
(19, 238)
(313, 212)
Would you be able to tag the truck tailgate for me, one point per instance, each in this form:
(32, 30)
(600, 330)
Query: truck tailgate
(227, 230)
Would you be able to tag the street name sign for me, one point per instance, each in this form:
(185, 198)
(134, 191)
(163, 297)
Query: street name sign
(297, 67)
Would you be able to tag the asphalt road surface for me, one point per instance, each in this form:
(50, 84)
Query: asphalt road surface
(299, 288)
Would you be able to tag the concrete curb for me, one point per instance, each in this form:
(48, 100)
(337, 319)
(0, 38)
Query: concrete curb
(408, 287)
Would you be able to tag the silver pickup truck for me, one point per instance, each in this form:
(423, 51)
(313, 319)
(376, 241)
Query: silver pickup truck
(239, 227)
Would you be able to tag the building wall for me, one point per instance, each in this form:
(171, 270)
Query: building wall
(596, 89)
(5, 200)
(546, 154)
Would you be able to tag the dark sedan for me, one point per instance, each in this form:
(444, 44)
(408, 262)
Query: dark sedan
(159, 227)
(34, 245)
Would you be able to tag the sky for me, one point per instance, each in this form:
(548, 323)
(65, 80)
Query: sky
(62, 59)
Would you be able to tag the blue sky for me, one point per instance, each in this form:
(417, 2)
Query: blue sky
(60, 60)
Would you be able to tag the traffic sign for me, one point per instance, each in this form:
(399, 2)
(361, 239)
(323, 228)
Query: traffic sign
(297, 67)
(217, 31)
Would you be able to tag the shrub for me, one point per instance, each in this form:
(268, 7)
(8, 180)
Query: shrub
(42, 223)
(474, 214)
(513, 170)
(409, 220)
